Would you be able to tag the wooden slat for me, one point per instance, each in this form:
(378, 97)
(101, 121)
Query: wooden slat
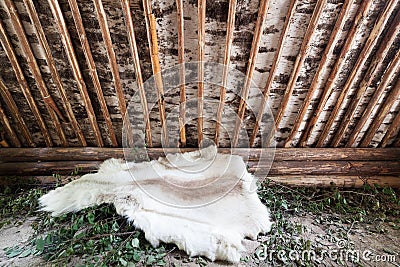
(92, 69)
(323, 65)
(69, 50)
(155, 64)
(10, 103)
(369, 76)
(7, 127)
(262, 15)
(181, 62)
(393, 128)
(201, 39)
(366, 168)
(138, 72)
(387, 77)
(362, 12)
(253, 154)
(386, 106)
(30, 7)
(227, 59)
(272, 72)
(356, 69)
(50, 105)
(5, 42)
(301, 57)
(105, 32)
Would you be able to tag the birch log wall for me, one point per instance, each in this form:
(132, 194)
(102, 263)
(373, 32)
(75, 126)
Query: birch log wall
(329, 70)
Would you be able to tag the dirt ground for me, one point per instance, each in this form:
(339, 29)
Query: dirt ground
(376, 244)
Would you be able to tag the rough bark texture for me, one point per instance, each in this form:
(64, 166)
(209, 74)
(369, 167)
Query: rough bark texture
(215, 34)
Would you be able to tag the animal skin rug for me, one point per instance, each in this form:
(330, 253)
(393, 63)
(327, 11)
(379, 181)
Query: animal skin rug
(201, 201)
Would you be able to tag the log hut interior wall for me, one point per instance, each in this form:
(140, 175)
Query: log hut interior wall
(328, 70)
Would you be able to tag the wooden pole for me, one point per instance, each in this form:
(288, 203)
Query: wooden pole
(387, 77)
(227, 58)
(362, 58)
(92, 69)
(139, 79)
(30, 7)
(300, 61)
(361, 13)
(272, 72)
(50, 105)
(69, 50)
(5, 42)
(105, 32)
(281, 154)
(283, 168)
(155, 64)
(181, 62)
(315, 84)
(10, 103)
(201, 14)
(374, 66)
(7, 127)
(385, 107)
(262, 15)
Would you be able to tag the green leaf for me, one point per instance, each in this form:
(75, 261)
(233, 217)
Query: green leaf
(26, 253)
(40, 244)
(123, 262)
(115, 227)
(150, 260)
(14, 252)
(135, 243)
(91, 217)
(136, 256)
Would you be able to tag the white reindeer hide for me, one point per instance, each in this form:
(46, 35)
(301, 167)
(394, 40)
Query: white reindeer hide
(201, 201)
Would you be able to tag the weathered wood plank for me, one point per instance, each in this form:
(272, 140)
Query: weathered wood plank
(371, 74)
(50, 105)
(8, 129)
(301, 57)
(138, 72)
(281, 154)
(155, 65)
(337, 180)
(8, 99)
(351, 79)
(227, 59)
(30, 7)
(362, 12)
(92, 69)
(384, 108)
(181, 62)
(364, 168)
(6, 44)
(262, 15)
(272, 72)
(328, 53)
(201, 32)
(69, 50)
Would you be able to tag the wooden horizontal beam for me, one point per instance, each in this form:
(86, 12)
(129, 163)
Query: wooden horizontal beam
(281, 154)
(279, 168)
(338, 180)
(346, 167)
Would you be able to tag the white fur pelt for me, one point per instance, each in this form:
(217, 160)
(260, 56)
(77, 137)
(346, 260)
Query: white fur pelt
(201, 201)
